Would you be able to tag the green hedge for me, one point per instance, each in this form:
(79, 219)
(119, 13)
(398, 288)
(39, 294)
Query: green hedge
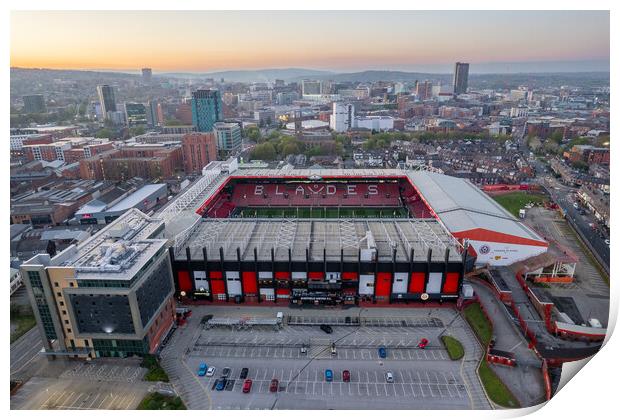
(155, 401)
(453, 346)
(156, 373)
(496, 389)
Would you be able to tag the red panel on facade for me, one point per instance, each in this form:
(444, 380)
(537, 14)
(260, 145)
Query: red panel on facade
(248, 279)
(283, 275)
(283, 292)
(185, 283)
(218, 286)
(216, 275)
(316, 275)
(383, 284)
(451, 284)
(349, 276)
(416, 284)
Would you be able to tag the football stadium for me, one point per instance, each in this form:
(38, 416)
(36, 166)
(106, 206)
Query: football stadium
(335, 236)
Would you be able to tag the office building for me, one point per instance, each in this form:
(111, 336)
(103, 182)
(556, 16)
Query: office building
(198, 150)
(110, 296)
(147, 75)
(206, 109)
(311, 87)
(155, 113)
(342, 117)
(135, 114)
(228, 138)
(107, 99)
(461, 74)
(34, 104)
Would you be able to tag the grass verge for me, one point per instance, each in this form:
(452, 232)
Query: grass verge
(23, 318)
(479, 323)
(156, 373)
(496, 389)
(517, 200)
(453, 346)
(155, 401)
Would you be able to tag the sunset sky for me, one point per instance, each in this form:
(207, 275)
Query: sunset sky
(201, 41)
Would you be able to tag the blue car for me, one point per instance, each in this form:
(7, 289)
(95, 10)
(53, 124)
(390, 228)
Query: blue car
(382, 352)
(221, 383)
(329, 375)
(202, 369)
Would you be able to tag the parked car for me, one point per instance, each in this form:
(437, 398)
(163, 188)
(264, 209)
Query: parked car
(607, 242)
(247, 386)
(220, 384)
(303, 350)
(423, 343)
(333, 348)
(389, 377)
(211, 371)
(202, 369)
(346, 376)
(226, 372)
(273, 387)
(244, 373)
(382, 352)
(329, 375)
(326, 328)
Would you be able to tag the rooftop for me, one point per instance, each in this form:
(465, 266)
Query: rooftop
(118, 251)
(321, 235)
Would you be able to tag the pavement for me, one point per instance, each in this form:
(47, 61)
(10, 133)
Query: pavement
(25, 357)
(524, 380)
(105, 384)
(589, 290)
(423, 379)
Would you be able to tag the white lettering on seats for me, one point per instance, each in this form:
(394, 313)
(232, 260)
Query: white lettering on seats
(330, 190)
(373, 190)
(258, 190)
(351, 190)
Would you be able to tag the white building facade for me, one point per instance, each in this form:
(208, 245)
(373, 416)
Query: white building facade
(342, 118)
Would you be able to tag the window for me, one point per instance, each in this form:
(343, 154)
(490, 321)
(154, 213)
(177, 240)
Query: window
(66, 322)
(55, 284)
(62, 303)
(70, 284)
(64, 312)
(58, 294)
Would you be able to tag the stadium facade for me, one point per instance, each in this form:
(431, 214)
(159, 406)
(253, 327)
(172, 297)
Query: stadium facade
(271, 236)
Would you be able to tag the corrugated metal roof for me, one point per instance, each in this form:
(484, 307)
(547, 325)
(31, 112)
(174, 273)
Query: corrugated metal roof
(137, 197)
(462, 206)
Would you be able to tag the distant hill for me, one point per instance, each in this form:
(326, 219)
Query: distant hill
(263, 75)
(385, 75)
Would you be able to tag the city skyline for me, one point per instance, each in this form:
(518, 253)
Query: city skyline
(354, 41)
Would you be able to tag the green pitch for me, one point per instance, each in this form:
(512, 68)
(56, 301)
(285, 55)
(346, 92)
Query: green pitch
(321, 212)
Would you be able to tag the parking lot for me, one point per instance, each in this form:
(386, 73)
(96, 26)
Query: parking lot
(423, 378)
(105, 372)
(77, 394)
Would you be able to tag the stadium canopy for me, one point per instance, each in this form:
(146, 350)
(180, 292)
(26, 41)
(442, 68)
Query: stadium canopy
(467, 212)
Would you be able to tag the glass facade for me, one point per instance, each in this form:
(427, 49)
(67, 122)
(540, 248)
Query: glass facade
(42, 306)
(206, 109)
(120, 348)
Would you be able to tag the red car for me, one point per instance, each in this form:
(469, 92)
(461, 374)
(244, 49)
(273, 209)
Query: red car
(423, 343)
(274, 386)
(247, 386)
(346, 376)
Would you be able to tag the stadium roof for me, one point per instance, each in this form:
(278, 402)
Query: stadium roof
(317, 235)
(461, 206)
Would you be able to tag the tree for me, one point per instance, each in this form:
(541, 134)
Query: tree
(137, 130)
(264, 151)
(104, 133)
(253, 133)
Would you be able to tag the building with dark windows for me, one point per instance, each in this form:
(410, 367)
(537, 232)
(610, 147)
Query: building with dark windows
(147, 75)
(206, 109)
(34, 104)
(135, 114)
(228, 138)
(107, 99)
(110, 296)
(461, 74)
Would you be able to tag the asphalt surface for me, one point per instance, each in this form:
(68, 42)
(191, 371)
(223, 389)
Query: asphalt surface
(423, 379)
(25, 357)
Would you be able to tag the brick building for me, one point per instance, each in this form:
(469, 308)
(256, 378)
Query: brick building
(198, 150)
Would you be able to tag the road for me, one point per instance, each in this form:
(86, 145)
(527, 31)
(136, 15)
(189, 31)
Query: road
(561, 194)
(25, 354)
